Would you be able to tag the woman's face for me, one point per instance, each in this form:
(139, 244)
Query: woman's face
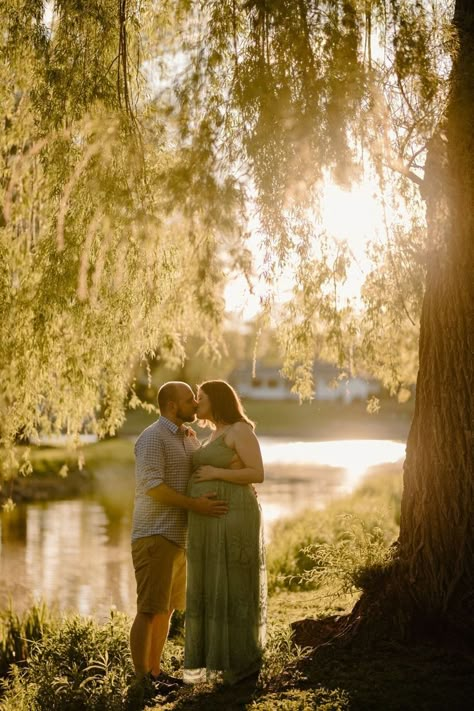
(204, 410)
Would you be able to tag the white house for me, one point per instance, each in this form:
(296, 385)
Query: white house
(268, 384)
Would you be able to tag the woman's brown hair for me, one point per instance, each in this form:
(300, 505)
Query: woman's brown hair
(225, 403)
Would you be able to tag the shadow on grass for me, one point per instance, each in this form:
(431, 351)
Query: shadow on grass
(209, 697)
(387, 678)
(395, 678)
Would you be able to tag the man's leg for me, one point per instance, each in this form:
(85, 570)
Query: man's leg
(159, 635)
(140, 643)
(160, 568)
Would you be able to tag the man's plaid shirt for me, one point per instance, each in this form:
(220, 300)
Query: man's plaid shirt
(163, 455)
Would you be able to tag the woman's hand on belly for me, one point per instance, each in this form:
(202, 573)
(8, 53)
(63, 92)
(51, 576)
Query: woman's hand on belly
(205, 473)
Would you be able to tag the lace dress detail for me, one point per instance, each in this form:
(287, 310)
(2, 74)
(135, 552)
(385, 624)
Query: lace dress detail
(226, 579)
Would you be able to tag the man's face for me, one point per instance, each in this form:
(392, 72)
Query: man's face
(186, 404)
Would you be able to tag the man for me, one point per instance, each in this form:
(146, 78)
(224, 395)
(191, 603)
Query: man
(163, 454)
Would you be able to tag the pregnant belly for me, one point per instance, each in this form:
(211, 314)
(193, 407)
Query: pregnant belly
(235, 494)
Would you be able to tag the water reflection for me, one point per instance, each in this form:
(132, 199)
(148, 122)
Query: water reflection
(76, 554)
(67, 557)
(309, 474)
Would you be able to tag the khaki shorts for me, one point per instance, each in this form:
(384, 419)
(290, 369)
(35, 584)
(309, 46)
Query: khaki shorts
(160, 571)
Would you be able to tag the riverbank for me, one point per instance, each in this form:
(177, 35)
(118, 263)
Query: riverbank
(79, 663)
(60, 473)
(316, 420)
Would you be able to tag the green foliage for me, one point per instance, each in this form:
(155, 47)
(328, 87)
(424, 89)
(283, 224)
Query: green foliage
(335, 678)
(19, 633)
(108, 237)
(76, 665)
(388, 342)
(343, 548)
(321, 699)
(55, 663)
(136, 146)
(318, 92)
(356, 560)
(281, 659)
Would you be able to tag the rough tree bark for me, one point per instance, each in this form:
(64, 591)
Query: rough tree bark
(436, 544)
(429, 589)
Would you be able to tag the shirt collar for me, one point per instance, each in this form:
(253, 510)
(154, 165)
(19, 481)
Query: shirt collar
(168, 424)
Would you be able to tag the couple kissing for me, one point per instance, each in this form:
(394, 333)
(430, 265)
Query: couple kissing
(197, 537)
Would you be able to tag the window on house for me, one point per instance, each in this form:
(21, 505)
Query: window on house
(256, 382)
(272, 383)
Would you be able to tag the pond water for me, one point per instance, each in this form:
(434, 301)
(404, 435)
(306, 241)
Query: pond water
(75, 554)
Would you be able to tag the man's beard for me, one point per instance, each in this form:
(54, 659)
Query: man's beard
(185, 417)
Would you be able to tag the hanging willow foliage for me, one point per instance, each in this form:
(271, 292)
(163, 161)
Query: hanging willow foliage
(305, 92)
(138, 134)
(113, 238)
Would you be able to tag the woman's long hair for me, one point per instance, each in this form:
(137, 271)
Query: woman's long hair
(225, 403)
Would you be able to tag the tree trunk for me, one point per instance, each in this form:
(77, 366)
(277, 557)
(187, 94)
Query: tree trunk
(429, 589)
(436, 544)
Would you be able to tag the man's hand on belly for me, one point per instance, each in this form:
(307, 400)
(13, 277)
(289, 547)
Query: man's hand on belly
(208, 505)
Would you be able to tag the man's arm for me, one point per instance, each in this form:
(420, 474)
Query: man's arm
(205, 505)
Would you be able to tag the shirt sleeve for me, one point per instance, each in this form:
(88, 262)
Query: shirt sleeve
(150, 458)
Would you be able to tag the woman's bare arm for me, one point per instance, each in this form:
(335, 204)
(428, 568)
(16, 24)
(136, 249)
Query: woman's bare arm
(243, 441)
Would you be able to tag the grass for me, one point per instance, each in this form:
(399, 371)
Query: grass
(73, 663)
(331, 547)
(19, 632)
(76, 664)
(80, 665)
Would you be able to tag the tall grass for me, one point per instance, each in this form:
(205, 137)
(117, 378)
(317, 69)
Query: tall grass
(79, 664)
(340, 544)
(281, 659)
(19, 632)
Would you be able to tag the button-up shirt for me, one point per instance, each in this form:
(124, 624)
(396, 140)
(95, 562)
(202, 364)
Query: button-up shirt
(163, 455)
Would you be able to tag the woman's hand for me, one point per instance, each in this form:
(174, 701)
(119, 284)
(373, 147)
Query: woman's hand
(206, 473)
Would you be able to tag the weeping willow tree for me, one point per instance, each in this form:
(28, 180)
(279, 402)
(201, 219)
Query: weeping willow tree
(301, 92)
(109, 227)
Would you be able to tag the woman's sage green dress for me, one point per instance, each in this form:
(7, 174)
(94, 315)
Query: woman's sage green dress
(226, 579)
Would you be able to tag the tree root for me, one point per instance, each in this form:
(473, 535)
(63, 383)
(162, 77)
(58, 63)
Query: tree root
(385, 617)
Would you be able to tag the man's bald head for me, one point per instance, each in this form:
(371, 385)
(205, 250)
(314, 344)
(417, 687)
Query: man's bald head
(172, 396)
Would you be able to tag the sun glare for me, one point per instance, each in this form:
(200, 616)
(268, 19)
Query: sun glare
(353, 217)
(308, 475)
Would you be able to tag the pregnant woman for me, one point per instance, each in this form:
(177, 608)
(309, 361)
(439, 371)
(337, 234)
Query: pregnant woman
(226, 585)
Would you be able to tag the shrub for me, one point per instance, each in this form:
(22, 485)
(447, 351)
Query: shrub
(356, 560)
(77, 665)
(339, 543)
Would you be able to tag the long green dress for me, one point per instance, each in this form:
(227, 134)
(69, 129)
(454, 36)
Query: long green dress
(226, 579)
